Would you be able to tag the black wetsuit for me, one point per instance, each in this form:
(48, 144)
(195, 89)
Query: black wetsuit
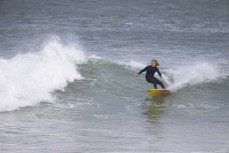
(150, 71)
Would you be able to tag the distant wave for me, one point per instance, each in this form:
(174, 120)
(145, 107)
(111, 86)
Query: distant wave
(30, 78)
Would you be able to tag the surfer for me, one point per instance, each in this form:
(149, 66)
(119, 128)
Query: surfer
(150, 71)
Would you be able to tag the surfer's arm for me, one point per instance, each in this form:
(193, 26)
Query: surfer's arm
(143, 70)
(159, 73)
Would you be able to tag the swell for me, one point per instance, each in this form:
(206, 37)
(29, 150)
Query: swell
(31, 78)
(200, 73)
(176, 78)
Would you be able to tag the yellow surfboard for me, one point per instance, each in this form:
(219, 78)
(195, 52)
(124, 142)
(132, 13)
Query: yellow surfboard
(158, 92)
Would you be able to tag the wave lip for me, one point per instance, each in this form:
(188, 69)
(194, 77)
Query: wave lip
(31, 78)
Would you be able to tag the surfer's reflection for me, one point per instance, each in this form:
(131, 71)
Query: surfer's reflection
(155, 108)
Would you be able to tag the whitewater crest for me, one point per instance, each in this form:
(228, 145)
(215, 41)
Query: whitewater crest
(31, 78)
(199, 73)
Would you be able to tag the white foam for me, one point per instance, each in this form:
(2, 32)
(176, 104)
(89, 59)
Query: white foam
(28, 79)
(135, 64)
(95, 57)
(197, 73)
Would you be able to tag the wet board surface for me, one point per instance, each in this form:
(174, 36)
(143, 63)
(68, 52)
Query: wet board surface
(158, 92)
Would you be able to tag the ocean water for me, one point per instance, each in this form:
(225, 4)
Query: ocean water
(68, 76)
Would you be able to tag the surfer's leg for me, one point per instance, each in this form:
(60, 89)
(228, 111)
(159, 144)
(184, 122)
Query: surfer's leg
(160, 83)
(155, 85)
(153, 81)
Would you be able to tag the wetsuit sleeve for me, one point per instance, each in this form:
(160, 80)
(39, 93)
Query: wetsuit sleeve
(159, 73)
(143, 70)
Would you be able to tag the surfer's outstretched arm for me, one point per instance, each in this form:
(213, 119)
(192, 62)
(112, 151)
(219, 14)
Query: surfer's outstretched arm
(143, 70)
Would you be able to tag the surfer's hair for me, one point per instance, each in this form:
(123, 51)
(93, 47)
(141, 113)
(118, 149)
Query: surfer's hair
(156, 62)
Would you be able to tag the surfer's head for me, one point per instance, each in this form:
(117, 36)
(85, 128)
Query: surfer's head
(154, 63)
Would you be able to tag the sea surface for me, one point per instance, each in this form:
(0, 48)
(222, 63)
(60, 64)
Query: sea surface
(68, 76)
